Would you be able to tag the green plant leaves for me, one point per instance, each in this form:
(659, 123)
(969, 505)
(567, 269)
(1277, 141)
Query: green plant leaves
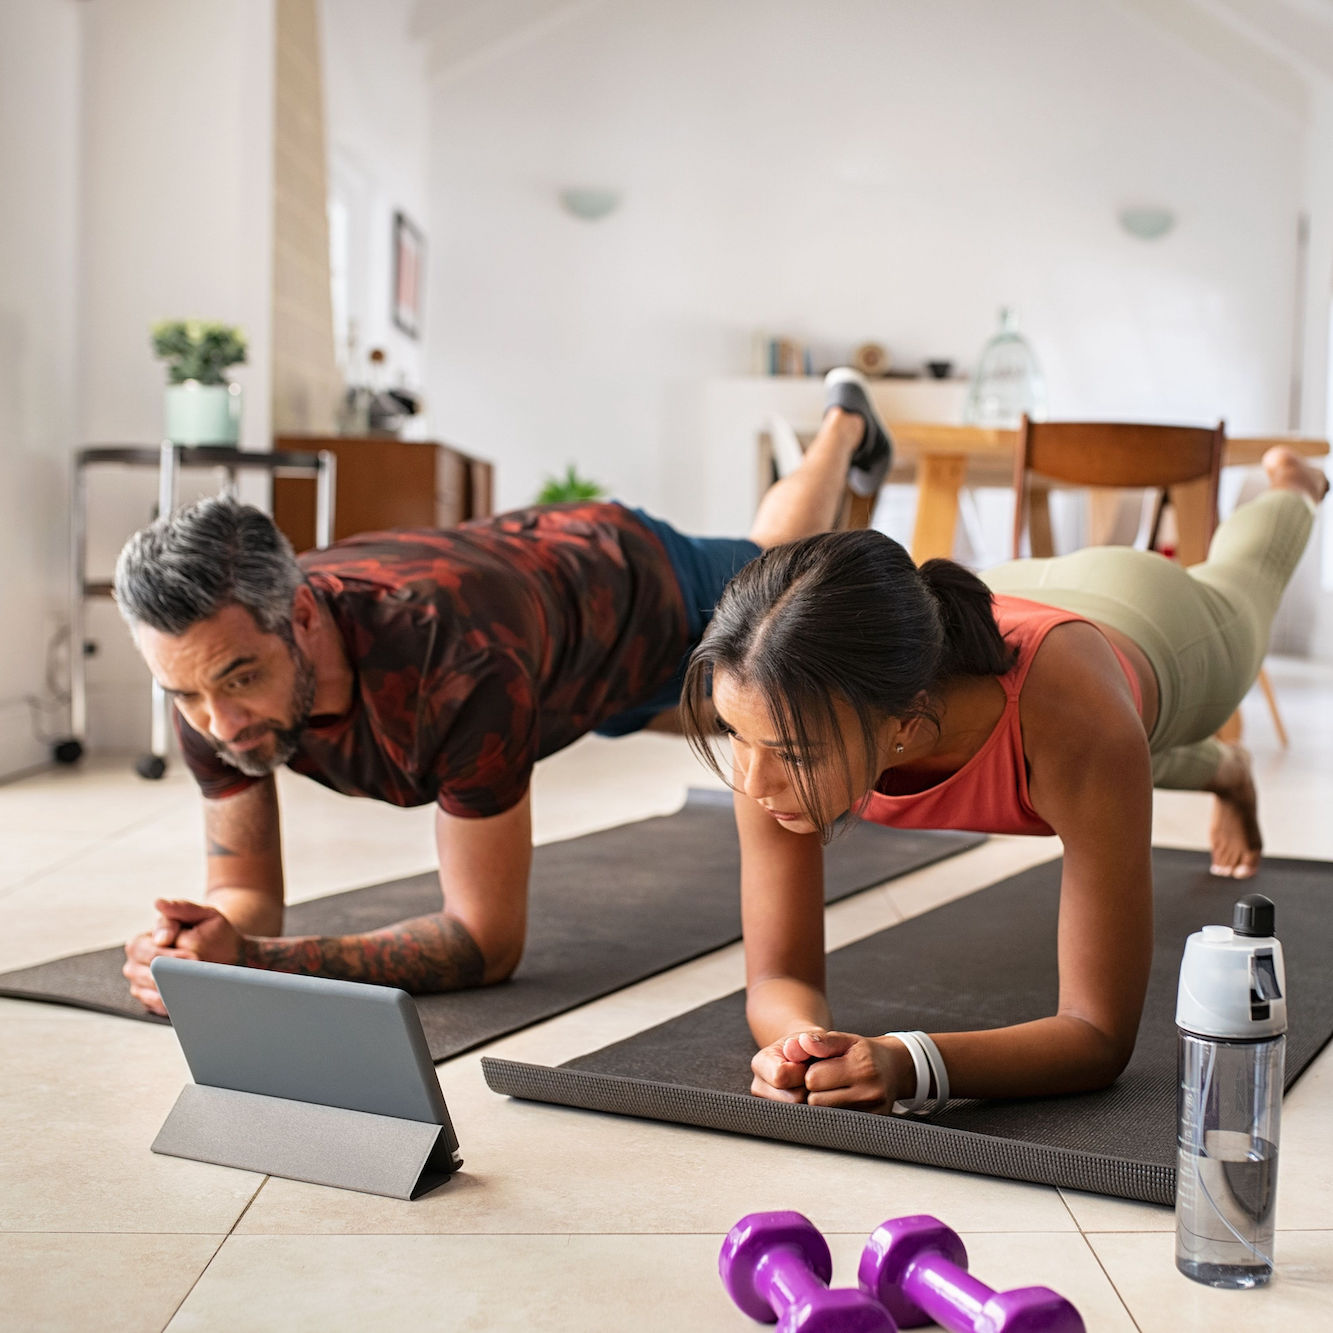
(197, 350)
(561, 490)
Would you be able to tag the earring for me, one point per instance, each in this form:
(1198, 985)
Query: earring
(898, 749)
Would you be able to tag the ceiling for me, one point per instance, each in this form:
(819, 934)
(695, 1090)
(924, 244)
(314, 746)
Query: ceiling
(464, 34)
(1281, 50)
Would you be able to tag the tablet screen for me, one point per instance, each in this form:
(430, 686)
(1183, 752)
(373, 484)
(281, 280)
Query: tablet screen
(310, 1039)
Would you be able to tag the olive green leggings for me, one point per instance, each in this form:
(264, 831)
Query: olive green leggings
(1204, 629)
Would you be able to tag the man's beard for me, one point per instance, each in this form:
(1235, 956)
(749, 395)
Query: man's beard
(286, 740)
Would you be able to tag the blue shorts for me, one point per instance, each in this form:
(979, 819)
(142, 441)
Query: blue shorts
(703, 566)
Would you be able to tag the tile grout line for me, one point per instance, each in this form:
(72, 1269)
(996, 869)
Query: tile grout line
(1119, 1295)
(60, 864)
(240, 1217)
(1097, 1259)
(718, 1235)
(1162, 1231)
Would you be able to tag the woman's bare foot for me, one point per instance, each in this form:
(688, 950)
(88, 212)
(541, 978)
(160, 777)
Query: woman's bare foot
(1288, 471)
(1234, 834)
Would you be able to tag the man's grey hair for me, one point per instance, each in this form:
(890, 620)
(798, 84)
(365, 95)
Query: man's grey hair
(186, 567)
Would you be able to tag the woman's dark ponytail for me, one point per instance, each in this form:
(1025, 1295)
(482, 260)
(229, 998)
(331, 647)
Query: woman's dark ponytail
(973, 645)
(842, 618)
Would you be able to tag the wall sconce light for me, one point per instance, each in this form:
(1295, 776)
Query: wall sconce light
(1147, 223)
(589, 204)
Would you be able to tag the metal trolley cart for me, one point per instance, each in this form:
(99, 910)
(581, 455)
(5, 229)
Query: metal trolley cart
(169, 459)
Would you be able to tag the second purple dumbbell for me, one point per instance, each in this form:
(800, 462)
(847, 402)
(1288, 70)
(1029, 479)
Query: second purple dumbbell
(777, 1267)
(917, 1268)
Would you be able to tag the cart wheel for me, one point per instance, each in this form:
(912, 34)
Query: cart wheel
(150, 766)
(68, 751)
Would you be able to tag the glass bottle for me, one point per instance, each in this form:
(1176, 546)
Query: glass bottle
(1231, 1019)
(1007, 381)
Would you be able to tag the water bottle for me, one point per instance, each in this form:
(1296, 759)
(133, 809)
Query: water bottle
(1231, 1017)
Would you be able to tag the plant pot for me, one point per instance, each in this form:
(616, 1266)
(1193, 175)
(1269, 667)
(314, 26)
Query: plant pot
(203, 413)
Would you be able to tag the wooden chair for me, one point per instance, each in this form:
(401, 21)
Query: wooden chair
(1182, 464)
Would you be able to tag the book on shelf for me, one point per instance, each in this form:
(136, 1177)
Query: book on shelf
(783, 356)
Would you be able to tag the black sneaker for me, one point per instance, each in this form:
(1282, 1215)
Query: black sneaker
(847, 389)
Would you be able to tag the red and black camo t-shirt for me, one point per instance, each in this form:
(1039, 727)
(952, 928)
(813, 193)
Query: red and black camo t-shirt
(479, 650)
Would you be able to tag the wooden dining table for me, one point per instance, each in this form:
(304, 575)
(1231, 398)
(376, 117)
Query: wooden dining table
(940, 459)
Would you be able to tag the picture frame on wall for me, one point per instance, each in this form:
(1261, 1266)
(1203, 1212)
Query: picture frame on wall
(409, 268)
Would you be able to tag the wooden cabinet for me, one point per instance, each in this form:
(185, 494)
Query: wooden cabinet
(383, 483)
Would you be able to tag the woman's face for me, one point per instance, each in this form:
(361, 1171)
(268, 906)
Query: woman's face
(762, 766)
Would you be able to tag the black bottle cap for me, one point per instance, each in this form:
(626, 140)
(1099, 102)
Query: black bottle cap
(1254, 916)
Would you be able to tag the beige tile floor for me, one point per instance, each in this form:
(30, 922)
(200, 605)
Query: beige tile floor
(562, 1219)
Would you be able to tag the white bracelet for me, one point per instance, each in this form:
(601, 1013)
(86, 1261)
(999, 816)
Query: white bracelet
(938, 1069)
(921, 1063)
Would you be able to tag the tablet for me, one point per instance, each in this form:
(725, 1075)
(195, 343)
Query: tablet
(308, 1039)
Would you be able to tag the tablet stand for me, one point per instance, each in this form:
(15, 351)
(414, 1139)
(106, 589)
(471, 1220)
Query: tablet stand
(323, 1145)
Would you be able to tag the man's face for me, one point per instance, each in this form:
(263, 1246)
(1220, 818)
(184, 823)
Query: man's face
(248, 692)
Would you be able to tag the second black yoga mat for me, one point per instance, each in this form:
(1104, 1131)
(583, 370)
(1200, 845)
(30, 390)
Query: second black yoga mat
(605, 910)
(984, 961)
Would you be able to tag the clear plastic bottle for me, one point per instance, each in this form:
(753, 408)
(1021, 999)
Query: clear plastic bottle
(1231, 1016)
(1007, 381)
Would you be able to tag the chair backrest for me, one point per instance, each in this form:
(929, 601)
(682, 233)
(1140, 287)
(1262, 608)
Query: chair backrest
(1116, 453)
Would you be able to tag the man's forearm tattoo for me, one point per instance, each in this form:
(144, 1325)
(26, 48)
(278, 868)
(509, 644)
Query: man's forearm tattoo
(425, 954)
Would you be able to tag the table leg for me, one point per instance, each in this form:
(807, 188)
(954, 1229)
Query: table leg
(78, 556)
(938, 479)
(160, 722)
(324, 497)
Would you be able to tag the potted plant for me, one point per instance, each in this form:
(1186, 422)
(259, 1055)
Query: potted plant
(561, 490)
(202, 405)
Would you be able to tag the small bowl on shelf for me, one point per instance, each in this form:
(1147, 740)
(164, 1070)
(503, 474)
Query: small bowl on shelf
(939, 370)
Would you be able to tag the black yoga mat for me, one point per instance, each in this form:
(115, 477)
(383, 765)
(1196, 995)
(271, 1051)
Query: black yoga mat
(982, 961)
(605, 910)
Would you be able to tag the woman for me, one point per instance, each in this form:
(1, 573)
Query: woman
(1049, 698)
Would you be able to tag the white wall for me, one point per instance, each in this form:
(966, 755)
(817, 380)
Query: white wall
(177, 219)
(39, 155)
(873, 169)
(377, 122)
(1314, 632)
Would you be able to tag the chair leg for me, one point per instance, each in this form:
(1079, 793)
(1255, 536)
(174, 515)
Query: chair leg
(1041, 536)
(1230, 730)
(1267, 686)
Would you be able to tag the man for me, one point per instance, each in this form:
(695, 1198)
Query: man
(426, 666)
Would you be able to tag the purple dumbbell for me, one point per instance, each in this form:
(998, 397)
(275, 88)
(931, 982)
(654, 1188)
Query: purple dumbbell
(776, 1267)
(917, 1268)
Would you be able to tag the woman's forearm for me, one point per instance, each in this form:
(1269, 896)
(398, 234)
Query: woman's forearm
(1048, 1056)
(779, 1006)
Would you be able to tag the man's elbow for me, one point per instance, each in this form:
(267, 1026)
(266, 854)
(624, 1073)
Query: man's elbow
(500, 960)
(498, 970)
(459, 957)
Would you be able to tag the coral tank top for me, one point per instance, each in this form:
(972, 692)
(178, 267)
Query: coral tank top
(989, 794)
